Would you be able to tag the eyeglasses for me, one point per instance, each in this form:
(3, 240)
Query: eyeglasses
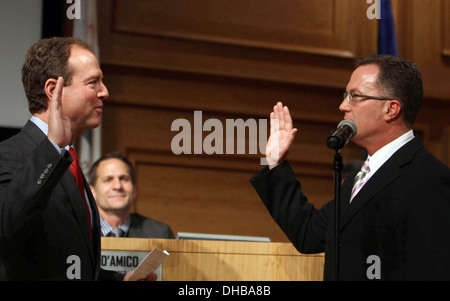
(350, 96)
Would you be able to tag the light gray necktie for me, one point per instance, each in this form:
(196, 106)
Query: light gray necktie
(116, 232)
(360, 179)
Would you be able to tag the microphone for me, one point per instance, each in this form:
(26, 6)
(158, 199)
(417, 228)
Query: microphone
(346, 129)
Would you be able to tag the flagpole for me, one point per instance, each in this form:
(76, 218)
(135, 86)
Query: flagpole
(387, 37)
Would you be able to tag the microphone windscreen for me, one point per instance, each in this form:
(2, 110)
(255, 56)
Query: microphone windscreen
(349, 123)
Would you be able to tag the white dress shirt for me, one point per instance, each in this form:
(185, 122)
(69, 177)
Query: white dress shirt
(384, 153)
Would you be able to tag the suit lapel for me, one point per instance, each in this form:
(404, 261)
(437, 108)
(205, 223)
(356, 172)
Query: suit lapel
(77, 202)
(96, 230)
(132, 230)
(68, 183)
(376, 183)
(73, 196)
(34, 132)
(94, 209)
(387, 173)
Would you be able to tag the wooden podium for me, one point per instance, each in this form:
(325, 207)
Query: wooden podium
(209, 260)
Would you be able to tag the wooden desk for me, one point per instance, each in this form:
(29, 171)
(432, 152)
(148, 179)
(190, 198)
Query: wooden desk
(204, 260)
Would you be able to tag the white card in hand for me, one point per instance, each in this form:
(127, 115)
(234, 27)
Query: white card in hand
(150, 263)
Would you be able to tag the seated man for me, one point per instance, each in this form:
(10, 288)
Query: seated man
(112, 181)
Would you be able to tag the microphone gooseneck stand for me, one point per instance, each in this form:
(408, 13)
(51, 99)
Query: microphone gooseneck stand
(337, 167)
(346, 129)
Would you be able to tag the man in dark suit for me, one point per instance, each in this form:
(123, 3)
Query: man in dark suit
(49, 223)
(397, 226)
(113, 184)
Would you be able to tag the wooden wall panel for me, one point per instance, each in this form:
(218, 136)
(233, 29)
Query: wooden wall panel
(423, 31)
(152, 34)
(199, 199)
(163, 60)
(210, 193)
(263, 24)
(446, 28)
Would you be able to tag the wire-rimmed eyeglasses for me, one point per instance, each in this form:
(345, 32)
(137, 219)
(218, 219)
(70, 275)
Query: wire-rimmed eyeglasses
(350, 96)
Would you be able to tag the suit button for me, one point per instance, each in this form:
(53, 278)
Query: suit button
(39, 182)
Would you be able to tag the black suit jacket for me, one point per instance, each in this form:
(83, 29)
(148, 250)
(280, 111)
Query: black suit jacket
(144, 227)
(43, 216)
(401, 215)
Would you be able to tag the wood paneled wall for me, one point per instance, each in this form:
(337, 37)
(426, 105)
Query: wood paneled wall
(234, 59)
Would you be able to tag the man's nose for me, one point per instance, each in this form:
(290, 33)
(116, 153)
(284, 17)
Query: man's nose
(103, 93)
(344, 106)
(117, 184)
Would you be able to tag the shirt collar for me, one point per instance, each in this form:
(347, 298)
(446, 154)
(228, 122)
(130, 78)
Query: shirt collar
(40, 124)
(384, 153)
(44, 128)
(106, 228)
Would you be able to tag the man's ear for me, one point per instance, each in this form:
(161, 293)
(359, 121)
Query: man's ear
(393, 109)
(92, 190)
(49, 87)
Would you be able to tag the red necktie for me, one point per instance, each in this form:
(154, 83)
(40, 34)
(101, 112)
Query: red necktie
(77, 175)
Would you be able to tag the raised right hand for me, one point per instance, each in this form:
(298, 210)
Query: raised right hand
(59, 127)
(281, 136)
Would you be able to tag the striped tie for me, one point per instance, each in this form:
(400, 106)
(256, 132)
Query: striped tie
(116, 232)
(360, 179)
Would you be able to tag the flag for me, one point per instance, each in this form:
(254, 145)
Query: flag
(85, 28)
(387, 37)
